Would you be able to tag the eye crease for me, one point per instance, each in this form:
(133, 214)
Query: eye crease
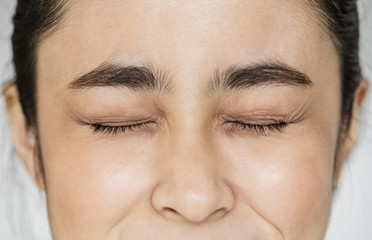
(106, 129)
(264, 129)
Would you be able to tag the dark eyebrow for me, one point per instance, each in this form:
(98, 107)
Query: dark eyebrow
(261, 74)
(136, 78)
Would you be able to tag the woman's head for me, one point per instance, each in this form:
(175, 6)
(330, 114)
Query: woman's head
(186, 119)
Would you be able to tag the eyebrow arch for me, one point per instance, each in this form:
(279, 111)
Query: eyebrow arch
(260, 74)
(136, 78)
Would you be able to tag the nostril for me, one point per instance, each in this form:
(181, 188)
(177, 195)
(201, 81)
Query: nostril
(171, 210)
(219, 213)
(171, 213)
(174, 214)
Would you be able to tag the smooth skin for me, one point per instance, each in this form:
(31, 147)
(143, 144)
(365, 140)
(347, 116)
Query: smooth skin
(188, 173)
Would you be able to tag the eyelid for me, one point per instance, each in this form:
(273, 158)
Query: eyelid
(106, 129)
(256, 118)
(114, 125)
(259, 124)
(262, 129)
(265, 117)
(121, 123)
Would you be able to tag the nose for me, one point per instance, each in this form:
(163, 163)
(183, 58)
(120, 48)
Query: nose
(192, 187)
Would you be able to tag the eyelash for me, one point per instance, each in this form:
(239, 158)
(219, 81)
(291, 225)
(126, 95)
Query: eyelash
(234, 126)
(114, 130)
(257, 128)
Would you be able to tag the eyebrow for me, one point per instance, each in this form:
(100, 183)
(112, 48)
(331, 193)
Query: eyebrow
(136, 78)
(148, 78)
(260, 74)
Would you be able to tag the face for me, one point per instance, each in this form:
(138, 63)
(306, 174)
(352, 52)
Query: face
(188, 120)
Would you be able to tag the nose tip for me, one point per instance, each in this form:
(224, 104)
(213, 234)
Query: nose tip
(191, 182)
(193, 203)
(198, 208)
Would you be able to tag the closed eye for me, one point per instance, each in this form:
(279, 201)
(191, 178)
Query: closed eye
(107, 129)
(234, 126)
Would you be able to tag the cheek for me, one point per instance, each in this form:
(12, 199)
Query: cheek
(287, 182)
(93, 184)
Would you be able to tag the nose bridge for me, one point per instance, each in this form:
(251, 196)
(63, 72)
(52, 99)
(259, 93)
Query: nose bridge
(192, 146)
(194, 166)
(192, 155)
(192, 187)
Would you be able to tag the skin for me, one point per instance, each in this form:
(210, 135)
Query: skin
(186, 175)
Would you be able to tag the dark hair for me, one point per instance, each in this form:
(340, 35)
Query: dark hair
(35, 18)
(342, 20)
(32, 20)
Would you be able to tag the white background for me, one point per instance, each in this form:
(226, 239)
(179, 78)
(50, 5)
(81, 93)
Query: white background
(22, 207)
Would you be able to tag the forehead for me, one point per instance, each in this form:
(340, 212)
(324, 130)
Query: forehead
(185, 36)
